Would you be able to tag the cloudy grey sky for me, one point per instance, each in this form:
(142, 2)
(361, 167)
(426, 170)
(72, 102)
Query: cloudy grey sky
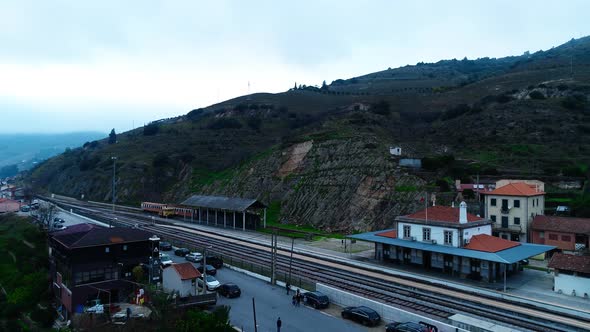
(94, 65)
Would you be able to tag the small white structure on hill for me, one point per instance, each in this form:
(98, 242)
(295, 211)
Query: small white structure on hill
(395, 150)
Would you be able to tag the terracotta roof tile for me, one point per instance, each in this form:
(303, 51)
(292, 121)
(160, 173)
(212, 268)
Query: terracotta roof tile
(516, 189)
(186, 271)
(390, 234)
(488, 243)
(561, 224)
(442, 214)
(570, 263)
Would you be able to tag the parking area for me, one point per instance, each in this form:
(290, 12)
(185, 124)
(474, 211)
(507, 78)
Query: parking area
(273, 302)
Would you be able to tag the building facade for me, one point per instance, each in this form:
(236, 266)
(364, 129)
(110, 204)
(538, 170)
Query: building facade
(89, 262)
(571, 274)
(181, 278)
(566, 233)
(512, 207)
(451, 241)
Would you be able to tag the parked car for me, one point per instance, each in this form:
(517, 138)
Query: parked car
(229, 290)
(211, 271)
(165, 260)
(316, 299)
(212, 283)
(25, 208)
(406, 327)
(181, 252)
(194, 257)
(58, 220)
(58, 227)
(165, 246)
(217, 262)
(362, 314)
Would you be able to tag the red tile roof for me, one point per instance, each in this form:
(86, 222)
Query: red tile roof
(442, 214)
(516, 189)
(186, 271)
(562, 224)
(570, 263)
(488, 243)
(391, 234)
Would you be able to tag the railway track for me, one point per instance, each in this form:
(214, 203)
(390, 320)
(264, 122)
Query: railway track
(425, 299)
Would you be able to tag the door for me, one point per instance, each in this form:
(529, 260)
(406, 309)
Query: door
(475, 269)
(407, 255)
(448, 264)
(426, 259)
(504, 222)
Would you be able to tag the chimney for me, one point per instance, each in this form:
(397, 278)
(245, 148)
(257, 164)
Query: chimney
(463, 213)
(453, 204)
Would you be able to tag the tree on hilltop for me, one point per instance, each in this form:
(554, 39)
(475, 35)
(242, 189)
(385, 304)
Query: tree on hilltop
(112, 137)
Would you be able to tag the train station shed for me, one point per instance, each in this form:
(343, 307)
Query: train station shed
(451, 241)
(243, 213)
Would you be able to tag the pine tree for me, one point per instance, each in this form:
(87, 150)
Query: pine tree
(112, 137)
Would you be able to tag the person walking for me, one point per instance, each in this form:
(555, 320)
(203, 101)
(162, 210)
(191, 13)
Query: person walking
(279, 323)
(288, 287)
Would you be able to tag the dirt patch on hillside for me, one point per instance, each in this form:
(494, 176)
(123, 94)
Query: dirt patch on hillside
(296, 155)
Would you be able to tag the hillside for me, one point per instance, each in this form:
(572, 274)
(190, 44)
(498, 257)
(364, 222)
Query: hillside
(22, 151)
(320, 156)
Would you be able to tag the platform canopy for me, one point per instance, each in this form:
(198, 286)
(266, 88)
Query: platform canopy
(223, 203)
(506, 256)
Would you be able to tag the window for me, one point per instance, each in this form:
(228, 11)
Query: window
(449, 237)
(493, 218)
(505, 205)
(516, 221)
(533, 203)
(517, 203)
(107, 249)
(553, 237)
(407, 231)
(566, 238)
(124, 247)
(541, 235)
(493, 202)
(425, 234)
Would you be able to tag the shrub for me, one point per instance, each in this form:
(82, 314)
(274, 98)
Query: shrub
(536, 95)
(160, 160)
(225, 123)
(574, 102)
(456, 111)
(151, 129)
(254, 122)
(562, 87)
(381, 107)
(504, 98)
(196, 114)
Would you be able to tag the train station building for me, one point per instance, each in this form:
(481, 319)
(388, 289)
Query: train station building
(452, 241)
(225, 212)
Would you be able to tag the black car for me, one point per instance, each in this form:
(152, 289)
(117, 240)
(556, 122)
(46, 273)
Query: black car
(363, 315)
(406, 327)
(58, 220)
(211, 271)
(316, 300)
(217, 262)
(229, 290)
(181, 252)
(165, 246)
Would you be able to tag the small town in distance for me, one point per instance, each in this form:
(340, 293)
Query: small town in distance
(234, 166)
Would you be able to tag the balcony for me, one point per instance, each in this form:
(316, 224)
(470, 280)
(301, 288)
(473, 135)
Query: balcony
(505, 210)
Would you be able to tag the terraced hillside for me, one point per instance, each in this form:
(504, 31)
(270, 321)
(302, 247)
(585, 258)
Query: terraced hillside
(320, 156)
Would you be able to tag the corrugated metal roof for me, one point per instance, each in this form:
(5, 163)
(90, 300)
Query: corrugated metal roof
(507, 256)
(221, 203)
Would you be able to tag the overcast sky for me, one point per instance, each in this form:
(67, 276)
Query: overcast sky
(95, 65)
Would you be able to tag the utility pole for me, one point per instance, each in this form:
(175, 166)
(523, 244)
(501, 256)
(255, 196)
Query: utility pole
(273, 248)
(254, 309)
(291, 260)
(114, 179)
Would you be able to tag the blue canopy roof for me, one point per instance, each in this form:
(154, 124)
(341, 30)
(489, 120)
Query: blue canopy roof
(506, 256)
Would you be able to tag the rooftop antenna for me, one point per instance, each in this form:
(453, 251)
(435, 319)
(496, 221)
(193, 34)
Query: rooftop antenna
(248, 98)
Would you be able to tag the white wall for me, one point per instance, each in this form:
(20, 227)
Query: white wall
(437, 233)
(171, 282)
(469, 232)
(388, 313)
(567, 283)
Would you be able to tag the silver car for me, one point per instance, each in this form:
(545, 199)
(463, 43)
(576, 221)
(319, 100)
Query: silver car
(194, 257)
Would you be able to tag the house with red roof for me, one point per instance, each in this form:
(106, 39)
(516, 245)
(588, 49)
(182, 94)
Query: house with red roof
(571, 274)
(452, 241)
(566, 233)
(9, 205)
(181, 278)
(511, 208)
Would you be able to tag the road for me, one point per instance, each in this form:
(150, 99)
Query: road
(271, 303)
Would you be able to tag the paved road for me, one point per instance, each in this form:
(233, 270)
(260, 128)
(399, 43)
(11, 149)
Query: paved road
(271, 303)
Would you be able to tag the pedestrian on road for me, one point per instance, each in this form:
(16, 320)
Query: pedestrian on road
(299, 300)
(294, 300)
(279, 323)
(288, 287)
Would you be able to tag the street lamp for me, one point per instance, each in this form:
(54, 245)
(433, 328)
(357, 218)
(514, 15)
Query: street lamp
(154, 239)
(114, 178)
